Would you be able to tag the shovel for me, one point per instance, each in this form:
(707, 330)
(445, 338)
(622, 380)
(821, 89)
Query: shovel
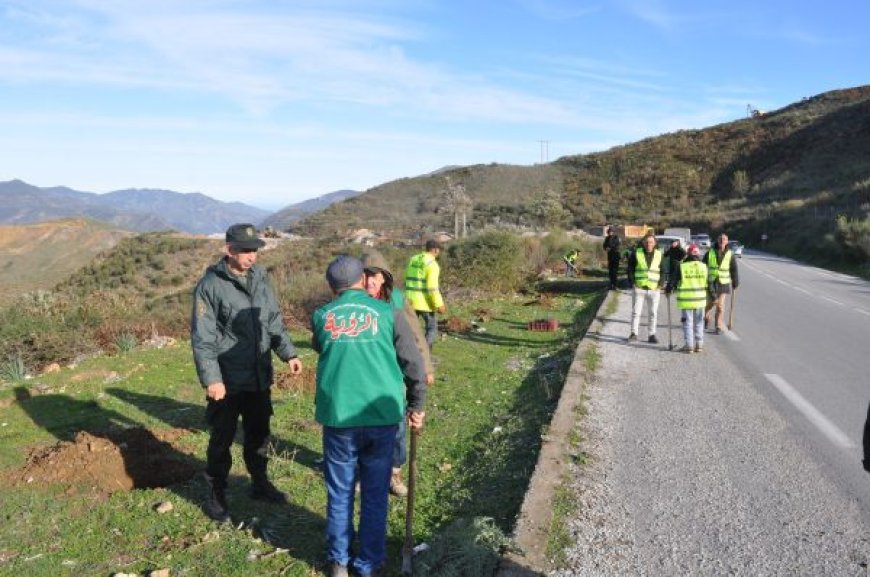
(408, 546)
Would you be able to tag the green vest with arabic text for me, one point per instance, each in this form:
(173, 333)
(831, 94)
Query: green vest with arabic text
(359, 382)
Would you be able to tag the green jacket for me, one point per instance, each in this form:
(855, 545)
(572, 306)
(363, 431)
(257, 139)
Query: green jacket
(368, 358)
(235, 325)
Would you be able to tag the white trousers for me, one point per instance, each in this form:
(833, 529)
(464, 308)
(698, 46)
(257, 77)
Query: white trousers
(639, 297)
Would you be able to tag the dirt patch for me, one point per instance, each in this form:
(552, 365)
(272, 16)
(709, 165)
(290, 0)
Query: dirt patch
(108, 462)
(454, 325)
(305, 382)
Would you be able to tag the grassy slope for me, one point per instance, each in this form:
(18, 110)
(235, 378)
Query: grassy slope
(476, 455)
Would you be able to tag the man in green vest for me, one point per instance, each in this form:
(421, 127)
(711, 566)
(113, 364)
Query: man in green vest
(689, 278)
(368, 368)
(421, 288)
(722, 278)
(645, 279)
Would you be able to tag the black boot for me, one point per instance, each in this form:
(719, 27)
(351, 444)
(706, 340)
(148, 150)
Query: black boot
(216, 502)
(263, 490)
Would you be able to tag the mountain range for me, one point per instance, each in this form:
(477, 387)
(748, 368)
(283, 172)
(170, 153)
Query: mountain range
(137, 210)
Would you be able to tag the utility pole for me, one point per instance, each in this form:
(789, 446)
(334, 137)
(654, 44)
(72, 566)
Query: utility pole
(545, 150)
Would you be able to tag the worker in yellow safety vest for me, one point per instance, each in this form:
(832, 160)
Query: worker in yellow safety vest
(645, 278)
(689, 278)
(421, 288)
(722, 278)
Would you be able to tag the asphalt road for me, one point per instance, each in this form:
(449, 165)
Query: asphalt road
(744, 459)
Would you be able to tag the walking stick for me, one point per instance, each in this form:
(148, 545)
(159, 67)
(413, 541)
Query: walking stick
(670, 326)
(731, 309)
(408, 547)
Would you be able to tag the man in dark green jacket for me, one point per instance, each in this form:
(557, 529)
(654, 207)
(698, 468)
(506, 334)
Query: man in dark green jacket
(235, 326)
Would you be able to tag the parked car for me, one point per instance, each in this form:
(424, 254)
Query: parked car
(736, 247)
(702, 240)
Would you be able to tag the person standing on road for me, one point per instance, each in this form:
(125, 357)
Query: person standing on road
(421, 286)
(236, 324)
(722, 278)
(645, 279)
(379, 285)
(611, 246)
(368, 366)
(689, 279)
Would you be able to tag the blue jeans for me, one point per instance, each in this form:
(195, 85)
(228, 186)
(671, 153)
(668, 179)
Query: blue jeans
(370, 449)
(693, 327)
(430, 328)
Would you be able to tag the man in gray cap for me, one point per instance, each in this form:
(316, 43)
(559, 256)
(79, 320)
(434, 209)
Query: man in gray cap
(369, 365)
(235, 326)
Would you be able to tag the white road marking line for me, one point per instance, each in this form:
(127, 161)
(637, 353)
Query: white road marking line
(802, 290)
(863, 312)
(829, 429)
(830, 300)
(732, 335)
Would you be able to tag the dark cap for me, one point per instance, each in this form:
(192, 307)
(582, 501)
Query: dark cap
(244, 235)
(344, 272)
(432, 243)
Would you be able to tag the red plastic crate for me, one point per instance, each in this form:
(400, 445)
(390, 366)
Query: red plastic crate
(543, 325)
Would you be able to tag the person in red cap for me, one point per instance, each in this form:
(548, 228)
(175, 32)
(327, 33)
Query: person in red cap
(689, 279)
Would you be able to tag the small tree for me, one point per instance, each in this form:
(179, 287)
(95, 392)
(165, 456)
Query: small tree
(740, 183)
(459, 203)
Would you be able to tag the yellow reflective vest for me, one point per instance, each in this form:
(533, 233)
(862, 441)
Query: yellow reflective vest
(646, 275)
(692, 289)
(717, 270)
(421, 283)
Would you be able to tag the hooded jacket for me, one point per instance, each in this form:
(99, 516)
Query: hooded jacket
(235, 325)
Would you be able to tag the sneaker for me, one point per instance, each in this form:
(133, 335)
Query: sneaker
(718, 331)
(653, 339)
(264, 490)
(632, 337)
(699, 348)
(397, 486)
(686, 349)
(338, 570)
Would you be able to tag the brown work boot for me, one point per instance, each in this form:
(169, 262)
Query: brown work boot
(397, 486)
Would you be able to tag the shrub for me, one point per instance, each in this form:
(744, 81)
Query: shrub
(13, 370)
(490, 261)
(125, 342)
(853, 235)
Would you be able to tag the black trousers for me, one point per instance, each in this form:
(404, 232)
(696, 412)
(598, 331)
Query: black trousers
(222, 417)
(613, 268)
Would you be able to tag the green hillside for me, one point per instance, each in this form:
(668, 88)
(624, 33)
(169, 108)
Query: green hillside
(789, 173)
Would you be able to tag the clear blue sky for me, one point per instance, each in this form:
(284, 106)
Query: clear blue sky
(271, 102)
